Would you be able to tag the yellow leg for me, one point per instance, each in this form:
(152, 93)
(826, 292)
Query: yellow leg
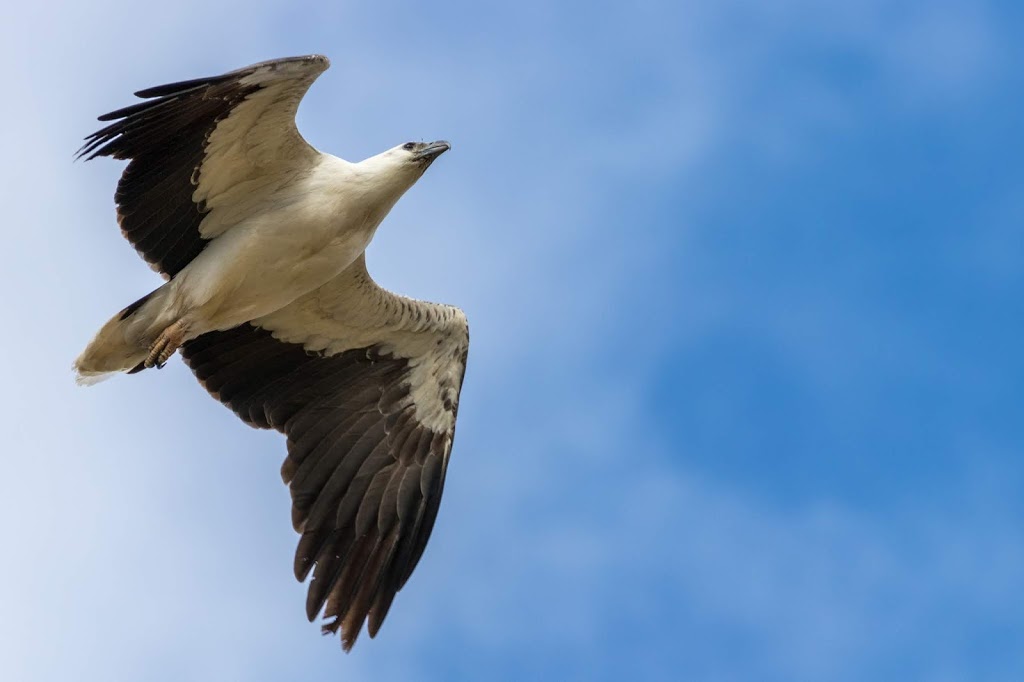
(165, 345)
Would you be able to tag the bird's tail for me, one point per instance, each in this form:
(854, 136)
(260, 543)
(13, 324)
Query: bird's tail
(123, 343)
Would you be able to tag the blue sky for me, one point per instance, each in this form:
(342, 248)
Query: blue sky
(744, 282)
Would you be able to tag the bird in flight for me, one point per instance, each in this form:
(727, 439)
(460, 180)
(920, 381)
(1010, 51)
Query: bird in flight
(261, 240)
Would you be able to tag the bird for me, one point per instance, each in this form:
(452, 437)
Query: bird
(261, 241)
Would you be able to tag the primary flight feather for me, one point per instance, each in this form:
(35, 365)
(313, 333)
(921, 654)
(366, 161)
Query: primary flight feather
(261, 239)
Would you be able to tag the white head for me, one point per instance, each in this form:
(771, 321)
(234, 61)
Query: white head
(394, 171)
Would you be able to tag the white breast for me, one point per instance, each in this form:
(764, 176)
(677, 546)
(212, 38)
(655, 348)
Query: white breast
(273, 248)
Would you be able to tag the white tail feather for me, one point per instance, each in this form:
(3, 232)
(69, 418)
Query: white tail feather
(124, 341)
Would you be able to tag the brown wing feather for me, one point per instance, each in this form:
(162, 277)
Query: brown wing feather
(365, 477)
(165, 140)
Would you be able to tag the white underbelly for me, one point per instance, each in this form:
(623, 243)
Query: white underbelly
(257, 268)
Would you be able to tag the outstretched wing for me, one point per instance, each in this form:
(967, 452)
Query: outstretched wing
(365, 384)
(198, 148)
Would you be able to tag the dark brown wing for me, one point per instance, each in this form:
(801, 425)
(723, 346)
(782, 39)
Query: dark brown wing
(161, 198)
(365, 474)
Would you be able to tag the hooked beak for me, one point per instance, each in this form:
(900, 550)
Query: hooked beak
(433, 150)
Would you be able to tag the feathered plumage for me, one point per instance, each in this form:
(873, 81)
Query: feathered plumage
(262, 238)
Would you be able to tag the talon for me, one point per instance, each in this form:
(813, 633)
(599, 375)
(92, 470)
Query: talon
(165, 345)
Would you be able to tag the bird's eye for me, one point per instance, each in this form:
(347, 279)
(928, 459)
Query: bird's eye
(409, 146)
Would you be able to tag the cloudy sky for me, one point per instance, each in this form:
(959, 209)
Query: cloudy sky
(745, 286)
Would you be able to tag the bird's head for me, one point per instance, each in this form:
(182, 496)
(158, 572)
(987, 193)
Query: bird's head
(419, 155)
(397, 169)
(407, 162)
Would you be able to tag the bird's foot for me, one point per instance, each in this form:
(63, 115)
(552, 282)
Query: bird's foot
(165, 345)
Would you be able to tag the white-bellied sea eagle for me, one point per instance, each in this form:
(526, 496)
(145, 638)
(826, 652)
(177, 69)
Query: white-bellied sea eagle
(261, 239)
